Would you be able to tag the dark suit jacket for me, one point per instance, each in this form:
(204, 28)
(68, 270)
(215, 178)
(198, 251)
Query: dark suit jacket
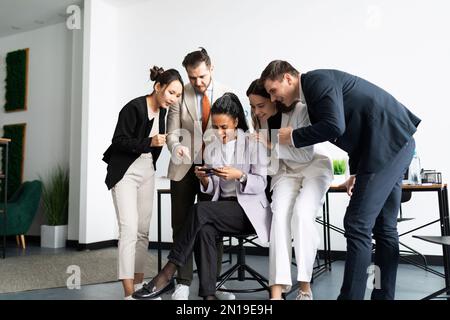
(131, 139)
(355, 115)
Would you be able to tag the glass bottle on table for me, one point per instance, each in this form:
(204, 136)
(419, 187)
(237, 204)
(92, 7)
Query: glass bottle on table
(414, 171)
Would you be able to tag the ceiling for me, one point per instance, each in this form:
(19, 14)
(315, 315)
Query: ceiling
(24, 15)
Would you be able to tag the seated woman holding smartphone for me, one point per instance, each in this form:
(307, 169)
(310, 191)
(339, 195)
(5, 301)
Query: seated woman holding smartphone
(239, 204)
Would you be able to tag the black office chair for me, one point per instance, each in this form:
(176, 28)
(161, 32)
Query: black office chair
(444, 241)
(406, 196)
(241, 268)
(404, 254)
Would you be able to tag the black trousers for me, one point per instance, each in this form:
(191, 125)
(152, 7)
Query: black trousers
(373, 209)
(183, 195)
(206, 222)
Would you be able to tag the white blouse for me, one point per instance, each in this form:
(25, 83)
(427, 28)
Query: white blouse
(155, 127)
(228, 187)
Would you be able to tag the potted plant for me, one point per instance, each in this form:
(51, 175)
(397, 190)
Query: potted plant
(55, 200)
(339, 170)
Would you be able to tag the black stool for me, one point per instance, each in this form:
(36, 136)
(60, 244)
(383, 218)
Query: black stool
(406, 196)
(242, 268)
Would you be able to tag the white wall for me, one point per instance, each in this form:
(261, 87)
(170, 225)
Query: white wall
(399, 45)
(75, 134)
(48, 114)
(100, 78)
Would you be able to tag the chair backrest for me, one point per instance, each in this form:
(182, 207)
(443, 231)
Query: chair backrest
(406, 195)
(31, 196)
(22, 211)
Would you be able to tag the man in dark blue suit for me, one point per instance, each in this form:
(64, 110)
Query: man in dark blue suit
(376, 131)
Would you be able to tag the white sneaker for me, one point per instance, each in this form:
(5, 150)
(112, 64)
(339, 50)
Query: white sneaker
(223, 295)
(181, 292)
(302, 295)
(138, 286)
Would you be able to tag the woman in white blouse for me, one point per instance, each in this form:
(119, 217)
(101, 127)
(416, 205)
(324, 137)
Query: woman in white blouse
(300, 180)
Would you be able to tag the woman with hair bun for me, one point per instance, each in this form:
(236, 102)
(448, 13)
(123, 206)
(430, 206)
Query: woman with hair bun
(137, 142)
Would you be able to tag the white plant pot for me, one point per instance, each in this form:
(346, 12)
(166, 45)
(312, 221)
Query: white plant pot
(338, 180)
(53, 236)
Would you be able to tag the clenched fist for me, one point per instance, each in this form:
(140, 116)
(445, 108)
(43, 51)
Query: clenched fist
(284, 136)
(159, 140)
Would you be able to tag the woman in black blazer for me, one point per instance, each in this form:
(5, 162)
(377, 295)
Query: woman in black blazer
(131, 158)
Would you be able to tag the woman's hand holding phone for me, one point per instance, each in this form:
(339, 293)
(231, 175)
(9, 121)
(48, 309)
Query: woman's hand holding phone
(202, 175)
(228, 173)
(201, 172)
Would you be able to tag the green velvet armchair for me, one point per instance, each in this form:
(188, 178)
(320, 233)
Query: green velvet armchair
(21, 210)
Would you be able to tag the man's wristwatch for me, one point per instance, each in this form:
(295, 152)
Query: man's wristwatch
(243, 178)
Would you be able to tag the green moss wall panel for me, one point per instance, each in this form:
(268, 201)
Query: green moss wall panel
(16, 80)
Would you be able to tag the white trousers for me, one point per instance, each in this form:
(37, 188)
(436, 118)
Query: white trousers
(133, 201)
(295, 205)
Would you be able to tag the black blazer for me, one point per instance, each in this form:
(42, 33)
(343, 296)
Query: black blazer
(131, 139)
(355, 115)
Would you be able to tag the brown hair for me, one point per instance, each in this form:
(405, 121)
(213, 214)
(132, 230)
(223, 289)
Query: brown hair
(257, 88)
(194, 58)
(276, 69)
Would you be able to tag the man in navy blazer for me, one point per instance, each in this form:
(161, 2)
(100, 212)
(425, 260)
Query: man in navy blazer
(376, 131)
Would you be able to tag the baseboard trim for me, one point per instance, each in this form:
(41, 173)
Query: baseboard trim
(251, 250)
(71, 243)
(95, 245)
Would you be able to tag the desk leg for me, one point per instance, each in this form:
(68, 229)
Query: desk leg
(325, 243)
(445, 231)
(159, 231)
(5, 200)
(4, 232)
(328, 237)
(4, 229)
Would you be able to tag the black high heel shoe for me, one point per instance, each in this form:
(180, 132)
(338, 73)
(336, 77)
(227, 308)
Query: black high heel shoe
(148, 290)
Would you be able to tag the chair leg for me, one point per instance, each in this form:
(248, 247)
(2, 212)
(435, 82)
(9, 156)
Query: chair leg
(241, 268)
(437, 294)
(258, 277)
(424, 259)
(225, 276)
(22, 239)
(241, 260)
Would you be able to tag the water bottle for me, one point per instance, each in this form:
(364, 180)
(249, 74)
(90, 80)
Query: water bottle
(414, 171)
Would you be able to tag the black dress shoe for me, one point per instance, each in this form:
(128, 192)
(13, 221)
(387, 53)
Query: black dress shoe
(149, 291)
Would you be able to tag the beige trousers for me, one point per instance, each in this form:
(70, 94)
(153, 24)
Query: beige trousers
(133, 201)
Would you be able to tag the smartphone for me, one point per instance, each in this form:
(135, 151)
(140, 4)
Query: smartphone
(208, 170)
